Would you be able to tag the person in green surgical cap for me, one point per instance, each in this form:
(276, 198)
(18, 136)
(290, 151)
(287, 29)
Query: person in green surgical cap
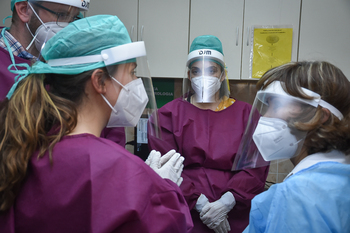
(206, 126)
(33, 22)
(57, 174)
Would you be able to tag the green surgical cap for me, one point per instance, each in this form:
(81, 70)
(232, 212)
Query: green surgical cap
(14, 1)
(206, 42)
(83, 37)
(87, 36)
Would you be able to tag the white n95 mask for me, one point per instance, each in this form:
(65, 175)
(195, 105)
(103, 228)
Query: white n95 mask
(205, 88)
(130, 104)
(45, 32)
(274, 140)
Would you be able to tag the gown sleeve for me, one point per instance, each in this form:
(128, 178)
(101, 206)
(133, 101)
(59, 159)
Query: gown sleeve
(145, 202)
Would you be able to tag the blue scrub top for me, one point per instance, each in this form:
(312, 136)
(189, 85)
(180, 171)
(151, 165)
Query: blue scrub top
(315, 199)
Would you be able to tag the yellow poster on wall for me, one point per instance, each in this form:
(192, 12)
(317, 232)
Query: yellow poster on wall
(271, 47)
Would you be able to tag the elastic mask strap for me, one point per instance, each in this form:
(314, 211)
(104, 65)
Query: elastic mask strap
(42, 23)
(119, 83)
(331, 108)
(30, 5)
(34, 38)
(109, 104)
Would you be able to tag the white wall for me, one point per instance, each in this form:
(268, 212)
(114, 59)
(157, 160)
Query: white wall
(5, 10)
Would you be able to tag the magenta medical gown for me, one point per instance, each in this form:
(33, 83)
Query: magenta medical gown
(94, 185)
(116, 134)
(209, 141)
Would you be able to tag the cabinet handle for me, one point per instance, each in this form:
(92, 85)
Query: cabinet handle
(248, 34)
(237, 33)
(132, 33)
(141, 33)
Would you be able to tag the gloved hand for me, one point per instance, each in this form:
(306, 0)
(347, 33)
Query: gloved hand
(201, 202)
(170, 167)
(223, 227)
(153, 157)
(215, 212)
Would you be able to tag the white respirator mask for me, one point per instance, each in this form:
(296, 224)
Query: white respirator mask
(205, 88)
(130, 104)
(274, 140)
(45, 32)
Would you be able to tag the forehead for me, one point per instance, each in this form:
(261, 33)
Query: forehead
(204, 64)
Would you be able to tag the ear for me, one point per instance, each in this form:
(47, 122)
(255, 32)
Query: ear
(98, 81)
(22, 11)
(326, 115)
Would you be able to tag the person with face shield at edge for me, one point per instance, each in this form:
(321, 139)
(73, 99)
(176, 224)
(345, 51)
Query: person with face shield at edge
(205, 126)
(33, 23)
(304, 112)
(57, 174)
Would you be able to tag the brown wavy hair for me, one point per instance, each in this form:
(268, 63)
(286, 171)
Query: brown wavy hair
(331, 84)
(35, 119)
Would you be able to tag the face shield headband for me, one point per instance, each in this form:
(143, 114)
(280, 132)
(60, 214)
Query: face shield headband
(201, 54)
(127, 53)
(77, 65)
(270, 133)
(205, 77)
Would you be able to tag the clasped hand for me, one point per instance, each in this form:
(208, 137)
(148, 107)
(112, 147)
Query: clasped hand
(168, 166)
(214, 214)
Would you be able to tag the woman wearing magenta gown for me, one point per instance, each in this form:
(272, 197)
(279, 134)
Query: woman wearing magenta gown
(206, 126)
(56, 173)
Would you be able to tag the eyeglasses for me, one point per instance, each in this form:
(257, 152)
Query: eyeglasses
(62, 18)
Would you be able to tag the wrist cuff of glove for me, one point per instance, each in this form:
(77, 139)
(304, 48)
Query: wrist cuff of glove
(228, 200)
(201, 202)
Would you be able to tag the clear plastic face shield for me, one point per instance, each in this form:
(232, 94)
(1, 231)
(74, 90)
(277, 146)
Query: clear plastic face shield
(272, 132)
(51, 21)
(130, 94)
(205, 78)
(132, 80)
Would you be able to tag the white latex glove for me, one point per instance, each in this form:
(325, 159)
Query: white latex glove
(153, 159)
(165, 158)
(201, 202)
(154, 155)
(170, 169)
(223, 227)
(215, 212)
